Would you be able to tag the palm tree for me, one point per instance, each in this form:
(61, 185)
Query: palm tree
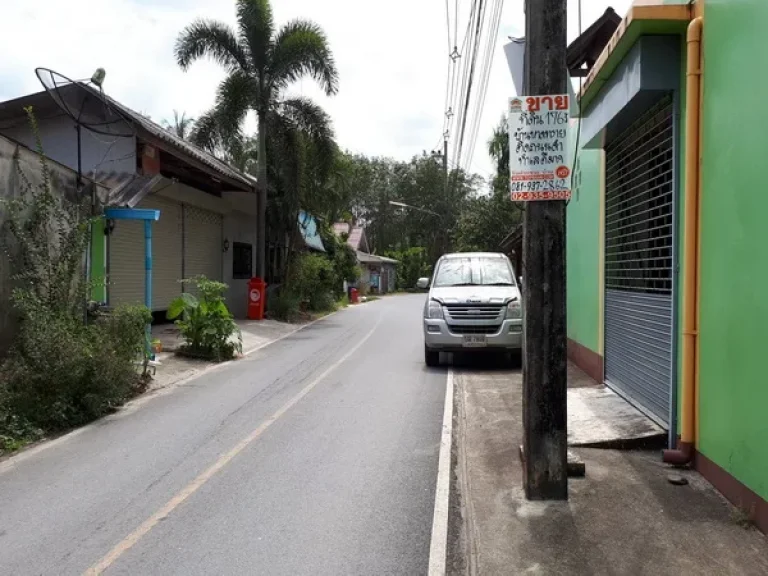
(181, 126)
(261, 62)
(498, 147)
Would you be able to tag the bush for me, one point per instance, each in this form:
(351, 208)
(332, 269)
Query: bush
(61, 371)
(342, 258)
(285, 306)
(313, 280)
(413, 264)
(205, 323)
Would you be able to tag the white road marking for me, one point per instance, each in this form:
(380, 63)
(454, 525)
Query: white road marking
(438, 547)
(129, 541)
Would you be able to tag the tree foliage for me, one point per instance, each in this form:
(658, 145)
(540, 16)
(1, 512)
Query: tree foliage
(261, 61)
(182, 125)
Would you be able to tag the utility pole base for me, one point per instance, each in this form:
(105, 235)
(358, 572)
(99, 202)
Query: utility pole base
(576, 466)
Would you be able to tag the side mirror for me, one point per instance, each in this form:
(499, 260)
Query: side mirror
(422, 283)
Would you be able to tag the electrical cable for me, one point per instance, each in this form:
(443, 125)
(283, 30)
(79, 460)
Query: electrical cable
(470, 80)
(461, 88)
(495, 21)
(578, 126)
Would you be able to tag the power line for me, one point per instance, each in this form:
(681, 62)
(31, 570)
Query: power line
(470, 79)
(459, 84)
(494, 20)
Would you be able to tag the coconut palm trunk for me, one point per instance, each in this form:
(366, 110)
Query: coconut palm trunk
(261, 184)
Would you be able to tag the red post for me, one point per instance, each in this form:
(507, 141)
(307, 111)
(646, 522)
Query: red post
(257, 297)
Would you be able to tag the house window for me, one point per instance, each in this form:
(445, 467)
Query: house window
(242, 260)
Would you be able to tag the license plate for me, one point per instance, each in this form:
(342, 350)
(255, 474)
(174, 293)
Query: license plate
(474, 341)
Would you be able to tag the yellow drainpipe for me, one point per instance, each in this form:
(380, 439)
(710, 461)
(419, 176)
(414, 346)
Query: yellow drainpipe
(691, 247)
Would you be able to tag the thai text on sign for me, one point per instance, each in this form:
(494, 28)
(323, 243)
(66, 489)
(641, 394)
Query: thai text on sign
(539, 148)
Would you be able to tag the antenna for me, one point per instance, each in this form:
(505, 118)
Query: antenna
(89, 108)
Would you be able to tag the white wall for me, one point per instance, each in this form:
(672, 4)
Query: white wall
(98, 151)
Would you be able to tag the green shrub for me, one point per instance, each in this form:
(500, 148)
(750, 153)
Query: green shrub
(61, 371)
(285, 306)
(205, 323)
(313, 279)
(342, 258)
(413, 264)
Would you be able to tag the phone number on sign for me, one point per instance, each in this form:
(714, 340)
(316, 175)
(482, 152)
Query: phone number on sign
(554, 185)
(543, 195)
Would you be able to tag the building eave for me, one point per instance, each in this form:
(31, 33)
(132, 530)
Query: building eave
(643, 17)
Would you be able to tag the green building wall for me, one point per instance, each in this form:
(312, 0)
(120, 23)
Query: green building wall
(583, 252)
(98, 262)
(733, 381)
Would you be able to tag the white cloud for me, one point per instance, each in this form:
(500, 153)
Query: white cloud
(391, 58)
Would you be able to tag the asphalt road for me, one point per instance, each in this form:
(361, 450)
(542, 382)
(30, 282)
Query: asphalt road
(310, 456)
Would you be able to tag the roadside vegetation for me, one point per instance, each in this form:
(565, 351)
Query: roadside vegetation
(204, 321)
(63, 370)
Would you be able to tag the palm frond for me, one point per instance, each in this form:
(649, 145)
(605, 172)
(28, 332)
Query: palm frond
(498, 146)
(256, 26)
(181, 126)
(301, 49)
(213, 39)
(308, 117)
(234, 98)
(205, 134)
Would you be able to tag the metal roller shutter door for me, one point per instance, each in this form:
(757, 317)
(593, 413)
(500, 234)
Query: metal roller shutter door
(639, 254)
(127, 256)
(202, 243)
(166, 251)
(126, 263)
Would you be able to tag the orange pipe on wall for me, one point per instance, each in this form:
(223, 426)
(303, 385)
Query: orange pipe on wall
(684, 452)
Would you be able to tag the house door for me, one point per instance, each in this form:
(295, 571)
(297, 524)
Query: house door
(639, 240)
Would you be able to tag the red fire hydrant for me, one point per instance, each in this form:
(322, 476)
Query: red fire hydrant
(353, 295)
(257, 296)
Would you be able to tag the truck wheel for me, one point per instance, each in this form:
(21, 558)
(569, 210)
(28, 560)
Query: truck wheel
(431, 357)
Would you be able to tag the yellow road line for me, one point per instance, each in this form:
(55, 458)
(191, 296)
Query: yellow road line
(129, 541)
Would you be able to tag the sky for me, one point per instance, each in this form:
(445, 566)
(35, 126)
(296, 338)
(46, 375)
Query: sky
(392, 60)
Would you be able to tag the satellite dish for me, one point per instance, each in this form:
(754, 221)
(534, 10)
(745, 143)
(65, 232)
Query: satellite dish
(86, 103)
(88, 107)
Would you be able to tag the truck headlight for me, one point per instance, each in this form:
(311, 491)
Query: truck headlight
(434, 310)
(514, 309)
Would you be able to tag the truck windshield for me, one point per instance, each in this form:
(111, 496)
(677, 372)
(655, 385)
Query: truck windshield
(474, 272)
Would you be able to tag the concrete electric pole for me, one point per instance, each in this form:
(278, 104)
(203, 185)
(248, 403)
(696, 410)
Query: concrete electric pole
(545, 366)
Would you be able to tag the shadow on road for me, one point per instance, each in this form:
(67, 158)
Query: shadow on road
(482, 362)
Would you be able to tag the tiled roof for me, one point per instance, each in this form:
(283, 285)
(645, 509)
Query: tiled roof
(366, 258)
(143, 124)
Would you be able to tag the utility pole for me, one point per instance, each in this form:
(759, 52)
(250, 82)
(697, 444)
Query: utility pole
(545, 445)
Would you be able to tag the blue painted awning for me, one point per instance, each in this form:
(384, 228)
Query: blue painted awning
(308, 229)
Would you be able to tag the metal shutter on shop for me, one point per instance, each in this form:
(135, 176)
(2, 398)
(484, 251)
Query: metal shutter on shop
(126, 263)
(166, 251)
(202, 243)
(127, 256)
(639, 213)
